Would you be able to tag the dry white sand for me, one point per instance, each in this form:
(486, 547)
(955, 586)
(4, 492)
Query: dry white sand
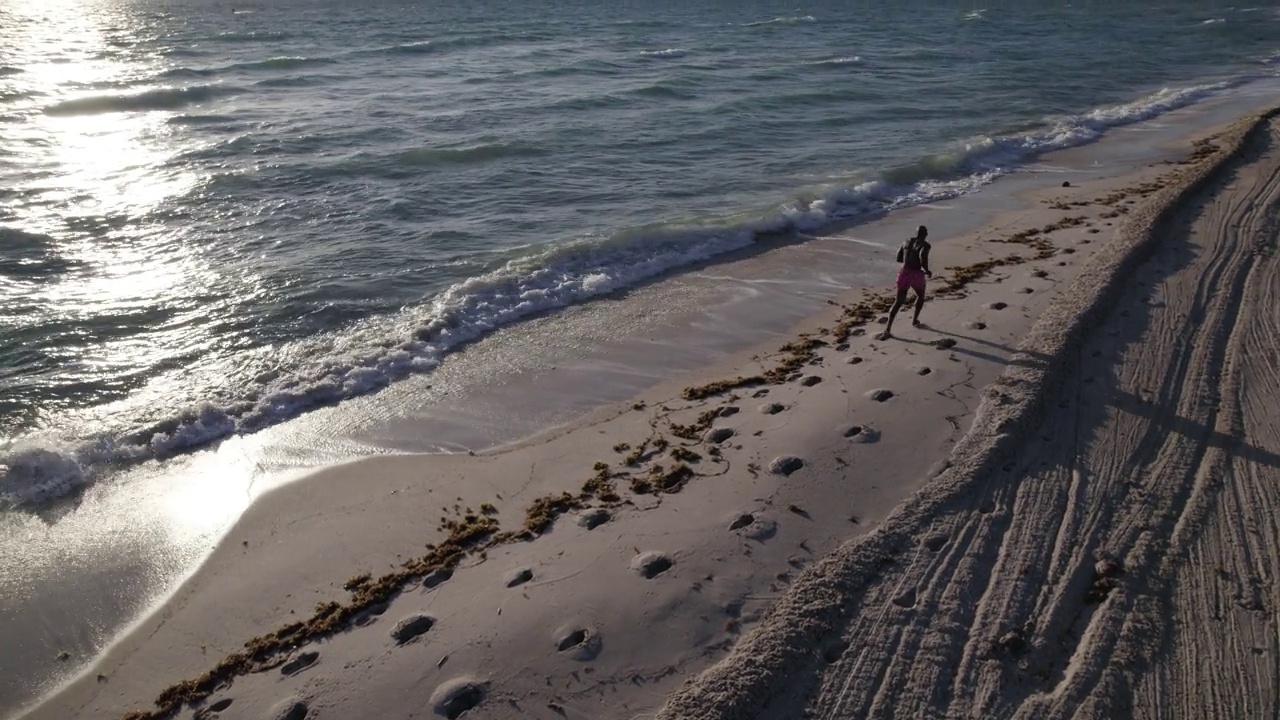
(1038, 565)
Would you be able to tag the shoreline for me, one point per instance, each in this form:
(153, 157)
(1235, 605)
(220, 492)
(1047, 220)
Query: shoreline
(778, 376)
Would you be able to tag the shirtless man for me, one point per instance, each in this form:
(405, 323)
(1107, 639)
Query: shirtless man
(914, 256)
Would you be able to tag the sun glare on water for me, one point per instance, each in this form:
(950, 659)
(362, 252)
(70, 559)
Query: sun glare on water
(91, 175)
(91, 168)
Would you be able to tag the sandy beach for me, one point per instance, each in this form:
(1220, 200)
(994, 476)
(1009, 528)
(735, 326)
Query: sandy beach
(1052, 500)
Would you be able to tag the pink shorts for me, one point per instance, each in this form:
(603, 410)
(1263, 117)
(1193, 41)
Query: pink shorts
(911, 278)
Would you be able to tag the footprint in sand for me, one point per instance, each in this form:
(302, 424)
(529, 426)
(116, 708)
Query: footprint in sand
(854, 360)
(935, 542)
(842, 347)
(880, 394)
(594, 518)
(300, 663)
(728, 410)
(922, 370)
(369, 614)
(289, 709)
(944, 343)
(214, 709)
(861, 433)
(579, 643)
(651, 564)
(976, 325)
(868, 436)
(411, 627)
(519, 576)
(455, 697)
(760, 393)
(1039, 273)
(906, 599)
(772, 408)
(718, 435)
(436, 577)
(1024, 291)
(785, 465)
(997, 305)
(753, 526)
(811, 380)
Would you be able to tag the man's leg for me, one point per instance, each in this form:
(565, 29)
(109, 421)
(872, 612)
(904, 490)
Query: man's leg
(915, 320)
(893, 312)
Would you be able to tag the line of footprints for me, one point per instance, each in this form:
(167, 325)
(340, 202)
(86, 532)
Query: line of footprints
(456, 696)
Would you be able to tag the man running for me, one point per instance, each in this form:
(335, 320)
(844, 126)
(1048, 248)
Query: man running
(914, 256)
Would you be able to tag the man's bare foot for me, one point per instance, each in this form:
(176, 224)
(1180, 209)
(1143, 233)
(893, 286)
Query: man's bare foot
(884, 335)
(917, 323)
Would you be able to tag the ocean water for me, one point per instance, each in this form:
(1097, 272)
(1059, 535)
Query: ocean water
(216, 215)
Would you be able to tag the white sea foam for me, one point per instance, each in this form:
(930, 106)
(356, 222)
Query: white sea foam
(782, 21)
(667, 53)
(849, 60)
(370, 357)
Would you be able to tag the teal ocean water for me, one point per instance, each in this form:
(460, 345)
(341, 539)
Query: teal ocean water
(216, 215)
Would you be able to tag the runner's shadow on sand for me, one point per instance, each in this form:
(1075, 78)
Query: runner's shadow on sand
(1029, 359)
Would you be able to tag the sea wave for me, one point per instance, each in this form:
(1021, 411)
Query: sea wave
(419, 47)
(782, 21)
(592, 67)
(158, 99)
(16, 95)
(393, 165)
(465, 155)
(667, 53)
(837, 61)
(666, 90)
(283, 63)
(239, 37)
(201, 120)
(366, 359)
(294, 81)
(413, 48)
(30, 257)
(269, 65)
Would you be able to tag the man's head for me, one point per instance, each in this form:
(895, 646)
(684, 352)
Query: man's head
(922, 232)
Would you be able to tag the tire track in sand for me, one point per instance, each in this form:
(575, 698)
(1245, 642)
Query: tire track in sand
(1108, 546)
